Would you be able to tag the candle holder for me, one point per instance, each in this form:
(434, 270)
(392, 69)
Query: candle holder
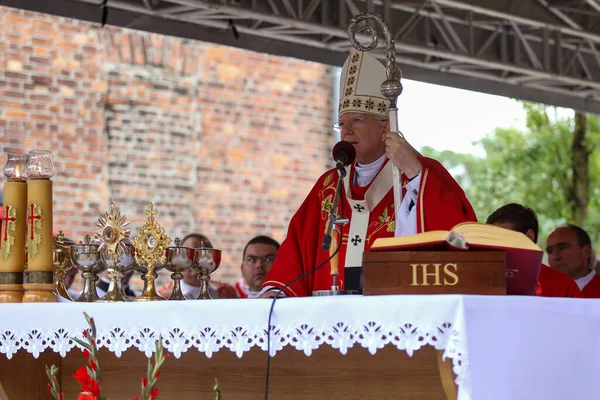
(206, 261)
(13, 228)
(62, 263)
(39, 287)
(86, 258)
(116, 251)
(179, 259)
(150, 248)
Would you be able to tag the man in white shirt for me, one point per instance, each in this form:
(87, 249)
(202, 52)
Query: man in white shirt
(570, 251)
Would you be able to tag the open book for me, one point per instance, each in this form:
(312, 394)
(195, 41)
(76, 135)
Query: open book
(523, 257)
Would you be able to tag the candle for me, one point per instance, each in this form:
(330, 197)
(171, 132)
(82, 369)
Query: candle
(12, 230)
(39, 227)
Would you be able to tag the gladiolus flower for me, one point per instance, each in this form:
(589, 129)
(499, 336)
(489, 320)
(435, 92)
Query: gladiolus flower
(49, 387)
(60, 396)
(144, 382)
(136, 398)
(158, 374)
(85, 333)
(86, 396)
(153, 393)
(93, 365)
(86, 354)
(82, 376)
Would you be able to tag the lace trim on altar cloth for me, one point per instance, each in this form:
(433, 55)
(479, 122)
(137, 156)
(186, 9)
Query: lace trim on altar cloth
(342, 336)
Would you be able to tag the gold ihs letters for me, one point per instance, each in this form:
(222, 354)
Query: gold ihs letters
(441, 276)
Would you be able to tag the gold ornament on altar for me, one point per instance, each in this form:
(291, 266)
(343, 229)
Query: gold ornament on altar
(113, 232)
(150, 248)
(35, 220)
(10, 226)
(116, 251)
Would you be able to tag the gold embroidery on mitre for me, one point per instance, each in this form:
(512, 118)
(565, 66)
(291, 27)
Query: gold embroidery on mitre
(9, 220)
(34, 234)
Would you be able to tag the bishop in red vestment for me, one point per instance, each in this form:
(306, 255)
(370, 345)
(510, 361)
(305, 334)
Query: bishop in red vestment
(431, 198)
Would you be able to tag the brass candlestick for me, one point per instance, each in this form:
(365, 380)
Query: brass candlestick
(150, 248)
(116, 251)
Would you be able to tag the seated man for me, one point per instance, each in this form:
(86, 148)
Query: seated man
(551, 283)
(257, 260)
(570, 251)
(431, 198)
(190, 285)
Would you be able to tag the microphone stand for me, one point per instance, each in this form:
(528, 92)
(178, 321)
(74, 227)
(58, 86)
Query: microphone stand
(331, 239)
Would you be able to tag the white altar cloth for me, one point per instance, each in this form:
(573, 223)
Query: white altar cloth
(502, 347)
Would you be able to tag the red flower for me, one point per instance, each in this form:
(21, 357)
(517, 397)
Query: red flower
(82, 376)
(86, 354)
(93, 365)
(85, 333)
(49, 387)
(60, 397)
(86, 396)
(144, 382)
(87, 383)
(136, 398)
(153, 393)
(158, 374)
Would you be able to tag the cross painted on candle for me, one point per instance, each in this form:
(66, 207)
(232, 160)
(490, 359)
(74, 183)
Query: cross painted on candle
(9, 220)
(34, 220)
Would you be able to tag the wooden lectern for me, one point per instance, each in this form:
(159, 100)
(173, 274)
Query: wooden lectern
(434, 272)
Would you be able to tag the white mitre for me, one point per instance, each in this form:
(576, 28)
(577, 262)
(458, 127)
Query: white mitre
(360, 85)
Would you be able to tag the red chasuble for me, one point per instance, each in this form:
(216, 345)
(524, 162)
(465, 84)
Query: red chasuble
(592, 289)
(441, 204)
(553, 283)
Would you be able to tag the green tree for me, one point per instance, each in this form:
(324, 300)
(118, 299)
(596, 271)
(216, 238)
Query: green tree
(551, 166)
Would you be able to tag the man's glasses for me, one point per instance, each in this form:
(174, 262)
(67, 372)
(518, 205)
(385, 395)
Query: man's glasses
(268, 259)
(354, 123)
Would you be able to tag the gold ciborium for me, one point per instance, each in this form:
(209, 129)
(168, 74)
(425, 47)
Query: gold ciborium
(150, 249)
(86, 258)
(116, 251)
(206, 261)
(61, 260)
(179, 259)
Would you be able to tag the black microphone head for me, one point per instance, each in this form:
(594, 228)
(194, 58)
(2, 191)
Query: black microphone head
(344, 152)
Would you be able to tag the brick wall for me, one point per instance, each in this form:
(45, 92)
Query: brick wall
(224, 141)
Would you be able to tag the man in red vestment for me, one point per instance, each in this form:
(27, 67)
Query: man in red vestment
(570, 251)
(551, 282)
(431, 198)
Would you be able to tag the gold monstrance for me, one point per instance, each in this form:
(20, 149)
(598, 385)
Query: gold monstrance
(115, 245)
(150, 247)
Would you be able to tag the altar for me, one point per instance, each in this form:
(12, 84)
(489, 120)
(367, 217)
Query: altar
(414, 347)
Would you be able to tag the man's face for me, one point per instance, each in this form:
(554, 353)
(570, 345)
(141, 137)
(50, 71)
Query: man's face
(366, 133)
(257, 262)
(566, 255)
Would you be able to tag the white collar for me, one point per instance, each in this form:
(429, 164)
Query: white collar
(584, 280)
(364, 174)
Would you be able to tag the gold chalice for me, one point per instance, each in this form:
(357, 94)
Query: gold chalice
(206, 261)
(61, 260)
(179, 259)
(86, 258)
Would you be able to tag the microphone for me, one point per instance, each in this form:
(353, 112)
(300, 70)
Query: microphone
(343, 154)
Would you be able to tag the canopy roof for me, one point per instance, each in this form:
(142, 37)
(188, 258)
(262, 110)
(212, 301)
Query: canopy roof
(539, 50)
